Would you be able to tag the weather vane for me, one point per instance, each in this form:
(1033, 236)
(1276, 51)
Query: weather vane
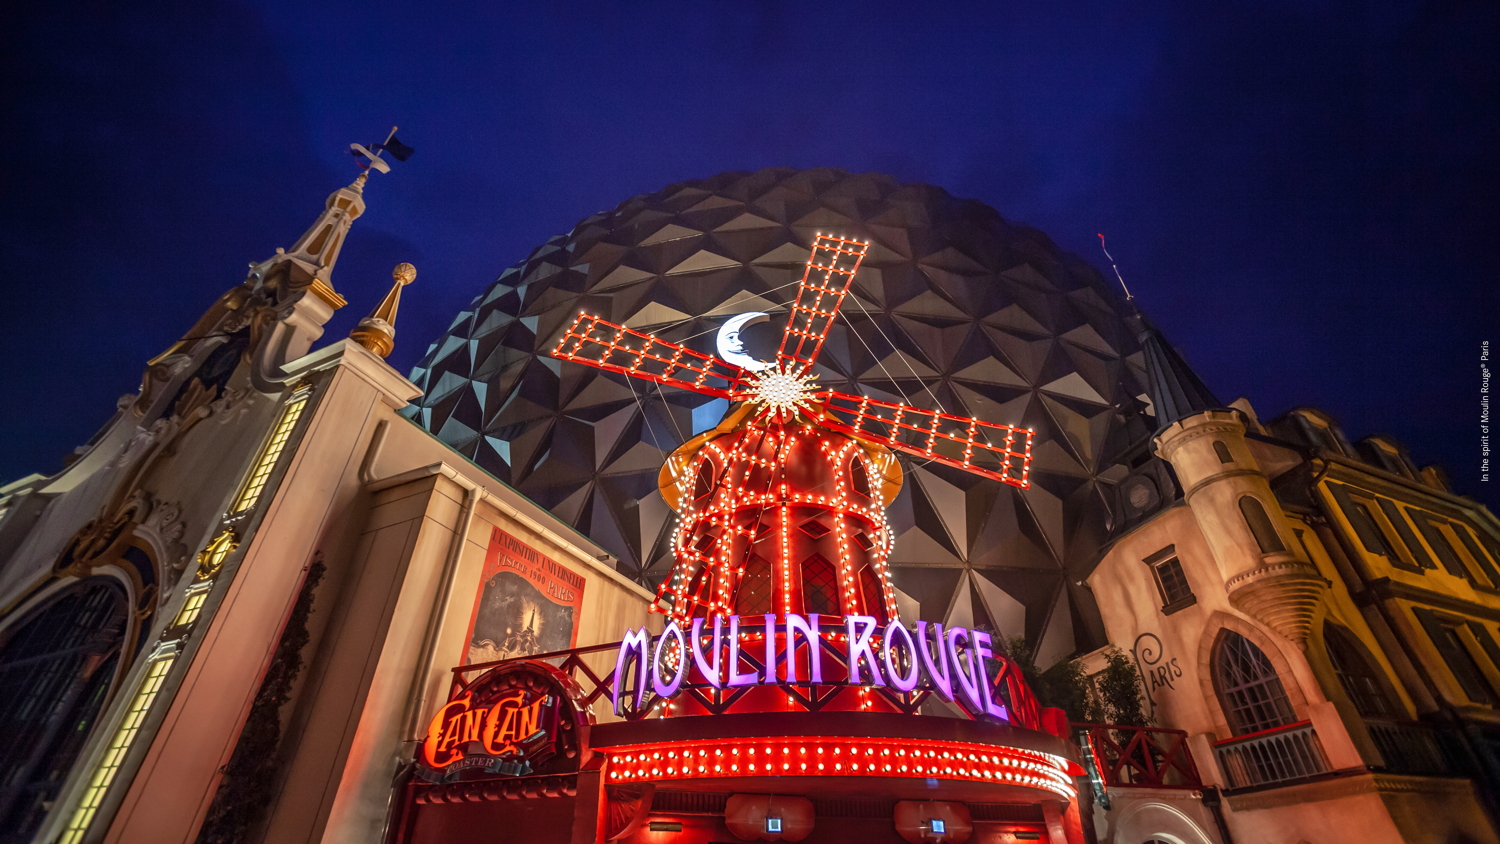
(372, 153)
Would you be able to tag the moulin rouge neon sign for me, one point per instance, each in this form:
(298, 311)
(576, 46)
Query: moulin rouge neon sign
(951, 663)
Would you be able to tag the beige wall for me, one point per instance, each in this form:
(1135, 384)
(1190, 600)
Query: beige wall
(382, 501)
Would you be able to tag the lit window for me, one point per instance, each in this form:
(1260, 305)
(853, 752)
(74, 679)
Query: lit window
(99, 783)
(255, 484)
(773, 824)
(939, 826)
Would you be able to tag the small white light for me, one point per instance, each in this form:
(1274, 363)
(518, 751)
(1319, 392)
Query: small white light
(773, 824)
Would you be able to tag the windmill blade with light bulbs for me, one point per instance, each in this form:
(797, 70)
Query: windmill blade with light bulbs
(782, 505)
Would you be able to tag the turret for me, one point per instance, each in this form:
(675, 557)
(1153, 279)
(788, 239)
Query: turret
(1264, 569)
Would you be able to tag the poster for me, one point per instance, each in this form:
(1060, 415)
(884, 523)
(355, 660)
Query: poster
(528, 603)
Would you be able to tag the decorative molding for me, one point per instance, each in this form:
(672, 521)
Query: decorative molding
(1282, 595)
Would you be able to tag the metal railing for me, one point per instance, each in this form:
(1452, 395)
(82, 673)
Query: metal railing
(1139, 757)
(1412, 747)
(1278, 755)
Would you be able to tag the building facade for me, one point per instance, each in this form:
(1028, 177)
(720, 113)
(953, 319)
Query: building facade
(1315, 626)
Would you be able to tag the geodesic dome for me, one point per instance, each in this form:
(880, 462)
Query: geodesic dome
(955, 308)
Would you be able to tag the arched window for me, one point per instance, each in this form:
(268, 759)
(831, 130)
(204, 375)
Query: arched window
(704, 483)
(874, 595)
(1358, 677)
(56, 669)
(1223, 451)
(859, 477)
(754, 596)
(1249, 690)
(820, 589)
(1260, 525)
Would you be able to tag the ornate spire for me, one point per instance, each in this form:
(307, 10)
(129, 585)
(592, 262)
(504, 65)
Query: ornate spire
(1176, 390)
(377, 332)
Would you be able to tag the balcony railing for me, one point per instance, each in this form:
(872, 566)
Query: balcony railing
(1412, 747)
(1139, 757)
(1278, 755)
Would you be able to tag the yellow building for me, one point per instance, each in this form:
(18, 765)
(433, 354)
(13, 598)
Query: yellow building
(1314, 621)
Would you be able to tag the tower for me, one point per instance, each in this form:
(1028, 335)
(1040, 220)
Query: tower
(1264, 570)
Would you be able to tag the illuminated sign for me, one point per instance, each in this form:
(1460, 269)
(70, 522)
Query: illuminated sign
(789, 649)
(512, 721)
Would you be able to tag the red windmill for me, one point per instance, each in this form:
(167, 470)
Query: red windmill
(783, 504)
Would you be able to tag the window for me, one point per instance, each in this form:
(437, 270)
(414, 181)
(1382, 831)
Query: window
(1383, 545)
(1223, 451)
(1171, 580)
(1476, 554)
(1358, 677)
(874, 595)
(1428, 525)
(56, 669)
(755, 587)
(1249, 690)
(859, 477)
(1451, 638)
(820, 591)
(1260, 525)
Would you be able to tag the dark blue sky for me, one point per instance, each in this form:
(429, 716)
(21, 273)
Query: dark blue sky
(1303, 195)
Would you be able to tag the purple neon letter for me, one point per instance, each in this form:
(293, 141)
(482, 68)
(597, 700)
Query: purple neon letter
(737, 679)
(859, 649)
(983, 652)
(940, 679)
(965, 679)
(665, 689)
(636, 645)
(899, 683)
(810, 635)
(710, 671)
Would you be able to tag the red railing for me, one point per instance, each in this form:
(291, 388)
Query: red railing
(1139, 757)
(1007, 687)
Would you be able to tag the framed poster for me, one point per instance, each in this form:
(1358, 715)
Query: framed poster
(528, 603)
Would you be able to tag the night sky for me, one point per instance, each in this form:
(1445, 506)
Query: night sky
(1302, 195)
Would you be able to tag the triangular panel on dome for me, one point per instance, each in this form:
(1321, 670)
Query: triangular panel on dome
(1056, 642)
(930, 304)
(640, 457)
(742, 302)
(899, 365)
(931, 588)
(621, 276)
(655, 314)
(952, 260)
(1088, 337)
(1073, 386)
(786, 253)
(670, 231)
(714, 201)
(961, 611)
(747, 220)
(1008, 614)
(990, 370)
(917, 547)
(703, 261)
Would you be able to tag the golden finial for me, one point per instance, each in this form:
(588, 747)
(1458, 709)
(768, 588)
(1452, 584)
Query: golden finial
(377, 332)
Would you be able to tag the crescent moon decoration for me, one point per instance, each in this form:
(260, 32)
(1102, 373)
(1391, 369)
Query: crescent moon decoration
(730, 346)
